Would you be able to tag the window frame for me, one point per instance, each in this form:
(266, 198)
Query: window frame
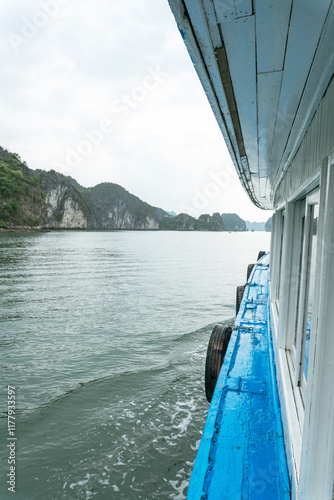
(300, 380)
(277, 251)
(292, 405)
(298, 304)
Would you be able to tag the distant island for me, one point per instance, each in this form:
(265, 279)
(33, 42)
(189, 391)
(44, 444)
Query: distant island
(233, 222)
(37, 199)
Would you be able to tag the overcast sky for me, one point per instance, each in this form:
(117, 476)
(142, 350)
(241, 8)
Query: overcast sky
(105, 91)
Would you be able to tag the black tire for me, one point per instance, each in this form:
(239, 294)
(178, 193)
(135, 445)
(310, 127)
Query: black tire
(249, 270)
(261, 254)
(217, 347)
(240, 294)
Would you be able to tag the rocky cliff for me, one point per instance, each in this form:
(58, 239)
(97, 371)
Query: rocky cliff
(112, 207)
(207, 222)
(50, 200)
(65, 205)
(233, 222)
(255, 226)
(21, 193)
(181, 222)
(184, 222)
(268, 225)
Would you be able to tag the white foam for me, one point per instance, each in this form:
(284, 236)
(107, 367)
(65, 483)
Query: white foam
(104, 481)
(79, 483)
(180, 490)
(195, 448)
(90, 494)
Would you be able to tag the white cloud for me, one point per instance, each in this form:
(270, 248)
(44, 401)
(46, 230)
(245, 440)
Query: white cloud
(63, 80)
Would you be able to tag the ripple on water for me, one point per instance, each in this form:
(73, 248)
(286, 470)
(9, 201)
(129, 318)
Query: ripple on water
(104, 335)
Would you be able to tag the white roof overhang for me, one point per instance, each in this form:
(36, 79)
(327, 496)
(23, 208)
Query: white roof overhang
(264, 66)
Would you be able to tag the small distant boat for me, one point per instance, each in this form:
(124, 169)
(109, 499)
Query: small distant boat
(267, 70)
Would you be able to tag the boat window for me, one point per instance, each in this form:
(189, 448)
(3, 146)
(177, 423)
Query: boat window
(281, 218)
(311, 265)
(308, 220)
(280, 257)
(302, 278)
(301, 246)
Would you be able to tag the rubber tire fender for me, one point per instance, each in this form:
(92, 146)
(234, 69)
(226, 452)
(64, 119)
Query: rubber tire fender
(217, 347)
(239, 295)
(261, 254)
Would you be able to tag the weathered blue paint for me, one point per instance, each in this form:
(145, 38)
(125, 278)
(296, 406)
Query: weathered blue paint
(241, 454)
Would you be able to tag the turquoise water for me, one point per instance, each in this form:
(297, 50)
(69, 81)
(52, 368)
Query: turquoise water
(104, 336)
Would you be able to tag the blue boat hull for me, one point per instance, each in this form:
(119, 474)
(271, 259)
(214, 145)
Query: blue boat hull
(242, 454)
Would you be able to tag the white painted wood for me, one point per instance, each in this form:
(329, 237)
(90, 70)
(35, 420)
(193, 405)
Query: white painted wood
(239, 40)
(307, 186)
(292, 434)
(285, 287)
(318, 437)
(272, 24)
(281, 244)
(268, 90)
(289, 323)
(232, 9)
(300, 450)
(321, 72)
(211, 81)
(317, 144)
(273, 256)
(287, 368)
(272, 248)
(302, 296)
(306, 26)
(211, 17)
(261, 38)
(263, 187)
(225, 11)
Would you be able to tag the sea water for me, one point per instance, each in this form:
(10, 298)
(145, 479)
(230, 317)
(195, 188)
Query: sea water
(104, 337)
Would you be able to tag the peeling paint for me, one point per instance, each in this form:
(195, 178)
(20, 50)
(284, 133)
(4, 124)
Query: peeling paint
(242, 453)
